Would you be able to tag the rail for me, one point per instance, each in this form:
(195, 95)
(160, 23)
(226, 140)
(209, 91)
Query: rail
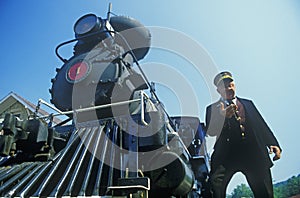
(143, 96)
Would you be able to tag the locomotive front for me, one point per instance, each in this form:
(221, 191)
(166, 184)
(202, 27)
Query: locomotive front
(121, 142)
(100, 71)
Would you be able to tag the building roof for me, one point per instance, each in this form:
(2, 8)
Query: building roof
(12, 97)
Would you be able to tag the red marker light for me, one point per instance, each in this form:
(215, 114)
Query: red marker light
(78, 71)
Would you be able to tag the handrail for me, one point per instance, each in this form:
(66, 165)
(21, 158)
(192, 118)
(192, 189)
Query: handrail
(92, 108)
(143, 95)
(41, 101)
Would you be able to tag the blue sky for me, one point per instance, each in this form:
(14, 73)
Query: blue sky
(258, 41)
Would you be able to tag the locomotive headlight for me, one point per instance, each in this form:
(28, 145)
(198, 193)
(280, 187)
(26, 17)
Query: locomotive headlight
(87, 24)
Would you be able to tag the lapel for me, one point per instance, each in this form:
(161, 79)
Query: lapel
(252, 116)
(245, 103)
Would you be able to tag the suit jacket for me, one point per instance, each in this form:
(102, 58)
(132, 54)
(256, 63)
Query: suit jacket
(216, 125)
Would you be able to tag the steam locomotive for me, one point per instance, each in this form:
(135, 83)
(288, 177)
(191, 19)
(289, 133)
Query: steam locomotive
(117, 140)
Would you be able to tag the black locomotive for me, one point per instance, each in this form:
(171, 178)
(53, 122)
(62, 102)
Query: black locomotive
(120, 143)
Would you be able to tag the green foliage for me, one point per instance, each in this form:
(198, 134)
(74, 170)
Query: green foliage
(288, 188)
(241, 191)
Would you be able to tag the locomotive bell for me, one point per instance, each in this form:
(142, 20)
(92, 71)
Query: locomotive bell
(132, 35)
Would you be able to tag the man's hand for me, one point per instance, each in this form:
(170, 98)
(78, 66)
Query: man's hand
(229, 111)
(276, 150)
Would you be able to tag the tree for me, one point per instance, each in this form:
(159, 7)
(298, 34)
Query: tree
(242, 191)
(288, 188)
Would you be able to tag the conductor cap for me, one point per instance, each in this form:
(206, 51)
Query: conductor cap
(225, 75)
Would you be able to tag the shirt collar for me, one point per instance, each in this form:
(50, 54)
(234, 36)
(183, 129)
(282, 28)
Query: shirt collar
(226, 101)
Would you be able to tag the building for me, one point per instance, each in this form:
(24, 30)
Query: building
(20, 107)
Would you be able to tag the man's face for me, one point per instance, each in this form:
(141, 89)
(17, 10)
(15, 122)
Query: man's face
(226, 89)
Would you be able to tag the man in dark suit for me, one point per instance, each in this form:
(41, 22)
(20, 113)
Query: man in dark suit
(243, 141)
